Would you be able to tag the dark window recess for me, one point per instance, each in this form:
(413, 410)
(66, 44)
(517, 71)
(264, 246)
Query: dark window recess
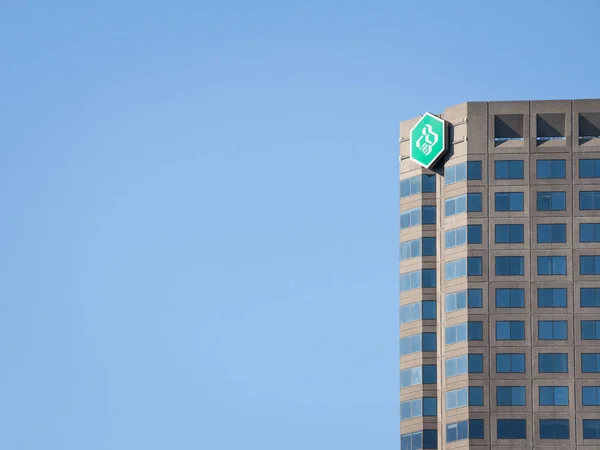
(589, 126)
(508, 127)
(550, 127)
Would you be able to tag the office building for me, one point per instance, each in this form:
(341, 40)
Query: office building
(500, 276)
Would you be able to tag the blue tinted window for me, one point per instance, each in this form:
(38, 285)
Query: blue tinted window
(589, 168)
(459, 300)
(464, 364)
(589, 200)
(473, 331)
(426, 374)
(463, 267)
(474, 202)
(590, 362)
(425, 439)
(509, 201)
(415, 185)
(551, 232)
(589, 232)
(552, 330)
(511, 330)
(554, 428)
(474, 170)
(552, 265)
(589, 265)
(425, 342)
(466, 429)
(426, 406)
(510, 265)
(456, 237)
(462, 203)
(474, 234)
(552, 297)
(551, 201)
(591, 428)
(554, 396)
(509, 233)
(417, 311)
(589, 297)
(418, 279)
(510, 298)
(417, 216)
(470, 170)
(553, 363)
(590, 329)
(417, 247)
(511, 429)
(510, 362)
(510, 395)
(464, 397)
(590, 395)
(551, 168)
(508, 170)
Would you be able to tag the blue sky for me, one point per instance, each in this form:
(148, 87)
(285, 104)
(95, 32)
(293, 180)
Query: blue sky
(199, 207)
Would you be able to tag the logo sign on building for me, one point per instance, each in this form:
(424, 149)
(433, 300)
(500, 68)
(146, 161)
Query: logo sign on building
(428, 140)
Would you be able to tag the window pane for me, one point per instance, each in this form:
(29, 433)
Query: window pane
(511, 429)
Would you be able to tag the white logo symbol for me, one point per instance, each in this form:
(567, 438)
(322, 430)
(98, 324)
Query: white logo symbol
(431, 139)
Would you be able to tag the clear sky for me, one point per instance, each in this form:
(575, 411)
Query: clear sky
(198, 244)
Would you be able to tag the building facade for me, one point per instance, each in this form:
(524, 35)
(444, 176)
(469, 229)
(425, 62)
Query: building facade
(500, 280)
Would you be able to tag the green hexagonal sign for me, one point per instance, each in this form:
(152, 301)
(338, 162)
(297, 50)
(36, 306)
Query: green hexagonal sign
(428, 140)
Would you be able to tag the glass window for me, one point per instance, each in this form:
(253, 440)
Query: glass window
(590, 362)
(417, 216)
(589, 232)
(460, 300)
(462, 267)
(591, 428)
(509, 201)
(425, 342)
(471, 396)
(552, 297)
(552, 265)
(510, 298)
(417, 247)
(510, 265)
(551, 168)
(589, 265)
(459, 365)
(553, 363)
(474, 234)
(426, 374)
(511, 428)
(551, 201)
(426, 406)
(508, 170)
(590, 330)
(470, 170)
(510, 363)
(589, 200)
(472, 331)
(551, 232)
(417, 311)
(554, 396)
(462, 203)
(590, 395)
(554, 428)
(510, 330)
(416, 185)
(552, 330)
(462, 235)
(509, 233)
(425, 439)
(474, 170)
(589, 297)
(466, 429)
(510, 395)
(589, 168)
(418, 279)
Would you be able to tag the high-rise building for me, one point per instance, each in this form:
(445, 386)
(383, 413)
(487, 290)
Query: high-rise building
(500, 276)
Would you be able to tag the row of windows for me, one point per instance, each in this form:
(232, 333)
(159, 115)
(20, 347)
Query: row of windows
(421, 342)
(515, 265)
(424, 310)
(514, 330)
(547, 363)
(417, 247)
(426, 374)
(426, 406)
(505, 429)
(514, 201)
(424, 278)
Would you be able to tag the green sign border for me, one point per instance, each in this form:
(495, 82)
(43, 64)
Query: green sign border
(445, 148)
